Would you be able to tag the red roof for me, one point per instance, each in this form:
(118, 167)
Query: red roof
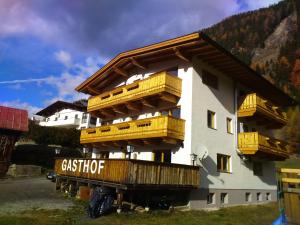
(13, 119)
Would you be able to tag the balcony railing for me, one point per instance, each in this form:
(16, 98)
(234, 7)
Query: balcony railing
(165, 127)
(253, 105)
(163, 86)
(130, 173)
(253, 143)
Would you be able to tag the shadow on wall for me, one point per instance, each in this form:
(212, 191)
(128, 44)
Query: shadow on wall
(209, 167)
(227, 102)
(268, 170)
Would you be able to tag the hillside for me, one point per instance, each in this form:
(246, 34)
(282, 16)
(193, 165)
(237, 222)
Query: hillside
(268, 40)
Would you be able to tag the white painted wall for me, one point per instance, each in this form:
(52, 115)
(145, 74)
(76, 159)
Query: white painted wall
(221, 101)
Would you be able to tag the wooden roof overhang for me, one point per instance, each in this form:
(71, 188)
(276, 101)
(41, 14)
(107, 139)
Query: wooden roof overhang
(59, 105)
(185, 48)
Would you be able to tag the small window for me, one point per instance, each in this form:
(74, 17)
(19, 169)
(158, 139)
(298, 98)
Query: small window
(223, 163)
(47, 119)
(84, 117)
(211, 198)
(93, 120)
(211, 119)
(257, 168)
(176, 112)
(55, 119)
(258, 197)
(268, 196)
(76, 116)
(224, 198)
(248, 197)
(229, 125)
(66, 117)
(210, 79)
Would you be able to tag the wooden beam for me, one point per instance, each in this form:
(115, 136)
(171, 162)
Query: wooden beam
(169, 98)
(120, 110)
(170, 141)
(138, 143)
(92, 90)
(120, 72)
(138, 64)
(107, 113)
(133, 106)
(180, 55)
(151, 142)
(148, 103)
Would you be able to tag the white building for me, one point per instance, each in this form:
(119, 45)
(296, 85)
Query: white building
(66, 114)
(219, 112)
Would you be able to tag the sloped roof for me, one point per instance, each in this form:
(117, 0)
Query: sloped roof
(59, 105)
(186, 47)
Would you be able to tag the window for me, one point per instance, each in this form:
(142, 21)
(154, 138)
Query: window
(210, 79)
(211, 119)
(223, 163)
(224, 198)
(176, 112)
(211, 198)
(47, 119)
(257, 168)
(84, 117)
(248, 197)
(93, 120)
(76, 116)
(229, 125)
(258, 197)
(268, 196)
(55, 119)
(66, 117)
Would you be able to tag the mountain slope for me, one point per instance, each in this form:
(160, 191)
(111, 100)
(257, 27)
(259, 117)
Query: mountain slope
(266, 39)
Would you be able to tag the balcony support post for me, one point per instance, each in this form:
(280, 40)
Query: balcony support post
(120, 194)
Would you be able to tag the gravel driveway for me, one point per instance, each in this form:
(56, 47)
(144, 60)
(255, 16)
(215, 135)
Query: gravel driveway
(19, 194)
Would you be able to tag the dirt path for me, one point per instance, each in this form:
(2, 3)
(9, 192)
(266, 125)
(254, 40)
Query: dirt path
(29, 193)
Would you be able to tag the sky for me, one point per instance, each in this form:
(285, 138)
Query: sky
(49, 47)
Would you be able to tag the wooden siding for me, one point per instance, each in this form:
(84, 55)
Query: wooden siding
(251, 143)
(290, 185)
(254, 105)
(155, 127)
(158, 84)
(137, 172)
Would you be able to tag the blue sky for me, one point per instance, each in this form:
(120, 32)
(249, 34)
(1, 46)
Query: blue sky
(49, 47)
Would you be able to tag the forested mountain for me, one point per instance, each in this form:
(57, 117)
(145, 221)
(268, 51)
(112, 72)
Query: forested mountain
(268, 40)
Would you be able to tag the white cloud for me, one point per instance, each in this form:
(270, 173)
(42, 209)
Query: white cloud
(22, 105)
(64, 57)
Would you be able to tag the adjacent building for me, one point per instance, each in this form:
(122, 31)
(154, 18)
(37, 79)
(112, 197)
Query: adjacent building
(189, 101)
(66, 114)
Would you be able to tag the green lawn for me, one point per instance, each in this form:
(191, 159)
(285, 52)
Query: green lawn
(246, 215)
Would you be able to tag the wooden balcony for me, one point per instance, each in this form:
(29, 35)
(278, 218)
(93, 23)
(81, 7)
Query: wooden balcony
(130, 174)
(253, 143)
(153, 130)
(261, 110)
(159, 91)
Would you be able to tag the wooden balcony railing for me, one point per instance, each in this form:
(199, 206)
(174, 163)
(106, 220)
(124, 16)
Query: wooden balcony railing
(151, 92)
(253, 143)
(163, 127)
(253, 105)
(131, 173)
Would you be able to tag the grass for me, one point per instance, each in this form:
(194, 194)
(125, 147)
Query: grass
(246, 215)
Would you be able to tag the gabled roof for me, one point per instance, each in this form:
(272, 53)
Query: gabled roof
(59, 105)
(185, 48)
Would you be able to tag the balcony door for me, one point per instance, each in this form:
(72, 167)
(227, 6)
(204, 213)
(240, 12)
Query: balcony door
(163, 156)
